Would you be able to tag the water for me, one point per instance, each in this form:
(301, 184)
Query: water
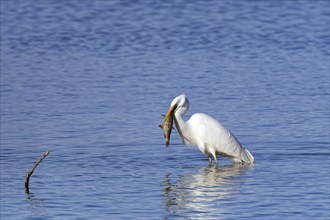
(89, 80)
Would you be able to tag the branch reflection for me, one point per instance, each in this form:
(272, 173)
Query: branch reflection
(37, 205)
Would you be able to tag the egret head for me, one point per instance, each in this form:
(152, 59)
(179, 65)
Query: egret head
(180, 102)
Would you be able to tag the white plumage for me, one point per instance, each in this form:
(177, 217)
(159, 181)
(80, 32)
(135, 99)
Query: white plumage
(208, 134)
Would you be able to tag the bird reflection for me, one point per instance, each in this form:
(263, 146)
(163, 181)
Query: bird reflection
(202, 192)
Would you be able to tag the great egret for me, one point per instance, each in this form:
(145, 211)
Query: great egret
(209, 135)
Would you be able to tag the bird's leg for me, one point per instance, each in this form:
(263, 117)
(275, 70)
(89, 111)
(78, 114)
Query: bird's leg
(215, 160)
(210, 160)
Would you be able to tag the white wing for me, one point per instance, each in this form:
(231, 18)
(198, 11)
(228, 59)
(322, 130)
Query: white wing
(206, 133)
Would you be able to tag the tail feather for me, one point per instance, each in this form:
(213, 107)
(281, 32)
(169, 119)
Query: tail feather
(250, 158)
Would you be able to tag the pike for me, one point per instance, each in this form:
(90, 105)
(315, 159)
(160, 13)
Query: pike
(167, 125)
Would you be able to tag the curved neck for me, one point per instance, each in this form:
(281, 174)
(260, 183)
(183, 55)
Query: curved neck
(180, 124)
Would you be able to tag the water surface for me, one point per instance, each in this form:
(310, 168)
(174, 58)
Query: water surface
(90, 80)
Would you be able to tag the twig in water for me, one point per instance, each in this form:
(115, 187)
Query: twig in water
(27, 177)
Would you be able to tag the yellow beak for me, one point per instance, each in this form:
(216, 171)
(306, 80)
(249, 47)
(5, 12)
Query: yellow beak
(170, 111)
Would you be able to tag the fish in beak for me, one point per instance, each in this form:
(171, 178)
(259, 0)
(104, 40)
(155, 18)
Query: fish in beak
(167, 124)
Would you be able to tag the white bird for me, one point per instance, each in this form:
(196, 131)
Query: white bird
(208, 134)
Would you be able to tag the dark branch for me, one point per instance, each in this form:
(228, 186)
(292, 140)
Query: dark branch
(27, 177)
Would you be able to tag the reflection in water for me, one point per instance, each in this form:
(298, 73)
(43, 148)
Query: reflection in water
(201, 194)
(37, 205)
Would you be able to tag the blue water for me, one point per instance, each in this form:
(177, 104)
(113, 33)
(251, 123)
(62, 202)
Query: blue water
(89, 81)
